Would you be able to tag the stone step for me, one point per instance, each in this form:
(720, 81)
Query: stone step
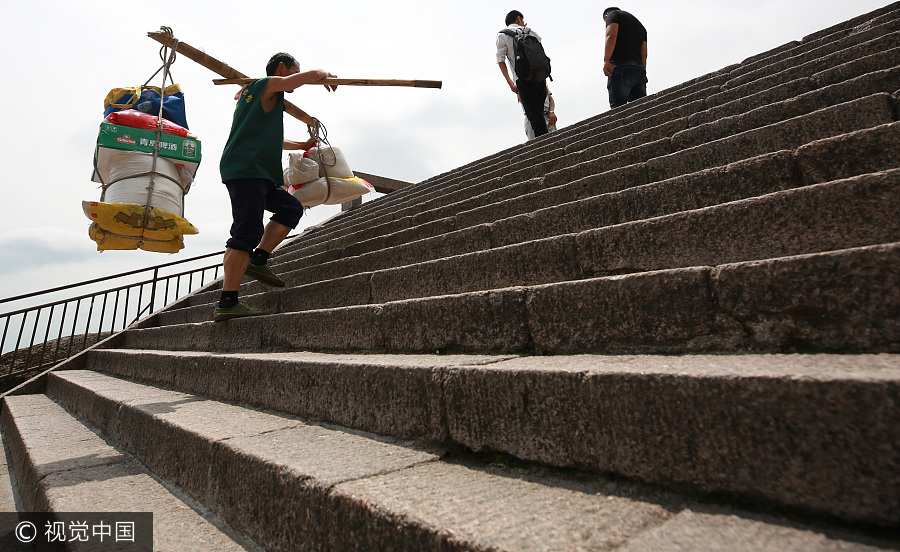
(637, 111)
(880, 36)
(837, 215)
(840, 300)
(666, 160)
(882, 28)
(62, 466)
(292, 484)
(687, 420)
(606, 156)
(732, 102)
(854, 68)
(889, 10)
(870, 149)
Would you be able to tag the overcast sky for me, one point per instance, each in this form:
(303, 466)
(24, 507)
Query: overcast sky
(60, 59)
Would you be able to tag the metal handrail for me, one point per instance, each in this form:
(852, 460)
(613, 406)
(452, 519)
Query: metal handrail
(86, 327)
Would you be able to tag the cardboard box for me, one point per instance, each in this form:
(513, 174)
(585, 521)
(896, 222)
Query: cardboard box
(179, 149)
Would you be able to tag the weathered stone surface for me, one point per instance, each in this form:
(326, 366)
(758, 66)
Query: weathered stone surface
(888, 12)
(443, 324)
(809, 61)
(598, 314)
(743, 422)
(848, 117)
(534, 199)
(864, 151)
(348, 328)
(837, 215)
(67, 468)
(841, 301)
(493, 509)
(339, 292)
(718, 530)
(880, 63)
(549, 260)
(741, 180)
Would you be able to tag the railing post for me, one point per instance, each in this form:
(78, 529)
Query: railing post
(3, 339)
(153, 288)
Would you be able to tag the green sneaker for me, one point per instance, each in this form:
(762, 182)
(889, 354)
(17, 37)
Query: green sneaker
(237, 311)
(264, 274)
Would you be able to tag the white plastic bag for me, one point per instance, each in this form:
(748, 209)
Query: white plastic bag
(300, 170)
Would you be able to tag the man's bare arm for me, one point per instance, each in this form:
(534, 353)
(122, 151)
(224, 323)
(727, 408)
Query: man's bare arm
(295, 145)
(292, 82)
(644, 53)
(505, 71)
(277, 84)
(612, 33)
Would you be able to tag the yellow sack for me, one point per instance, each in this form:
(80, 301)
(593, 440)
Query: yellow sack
(110, 241)
(127, 219)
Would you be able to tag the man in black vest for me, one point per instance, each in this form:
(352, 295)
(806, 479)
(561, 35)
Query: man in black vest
(625, 57)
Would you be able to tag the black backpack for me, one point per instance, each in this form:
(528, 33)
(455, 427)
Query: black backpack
(532, 64)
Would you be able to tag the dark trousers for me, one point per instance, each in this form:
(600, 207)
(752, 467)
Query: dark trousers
(249, 198)
(627, 83)
(533, 95)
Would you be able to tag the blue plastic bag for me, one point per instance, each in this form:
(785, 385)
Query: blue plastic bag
(146, 99)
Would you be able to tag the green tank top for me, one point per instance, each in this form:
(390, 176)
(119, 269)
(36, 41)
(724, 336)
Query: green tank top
(255, 145)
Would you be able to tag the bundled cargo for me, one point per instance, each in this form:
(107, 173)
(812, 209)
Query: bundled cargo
(306, 178)
(145, 169)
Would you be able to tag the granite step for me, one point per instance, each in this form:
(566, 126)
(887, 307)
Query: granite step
(880, 59)
(844, 300)
(841, 214)
(746, 424)
(292, 484)
(62, 466)
(880, 35)
(870, 150)
(632, 149)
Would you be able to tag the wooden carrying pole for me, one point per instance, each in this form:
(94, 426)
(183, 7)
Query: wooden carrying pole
(332, 81)
(220, 68)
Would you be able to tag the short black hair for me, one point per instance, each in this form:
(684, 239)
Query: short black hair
(512, 16)
(607, 10)
(278, 59)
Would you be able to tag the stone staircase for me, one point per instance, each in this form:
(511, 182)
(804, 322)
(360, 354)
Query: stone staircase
(673, 326)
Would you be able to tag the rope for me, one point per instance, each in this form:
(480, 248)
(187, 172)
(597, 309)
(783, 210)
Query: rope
(320, 133)
(168, 58)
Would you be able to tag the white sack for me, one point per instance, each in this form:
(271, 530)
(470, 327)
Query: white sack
(332, 160)
(312, 193)
(342, 190)
(128, 187)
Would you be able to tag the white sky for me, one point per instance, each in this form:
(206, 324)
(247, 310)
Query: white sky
(60, 59)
